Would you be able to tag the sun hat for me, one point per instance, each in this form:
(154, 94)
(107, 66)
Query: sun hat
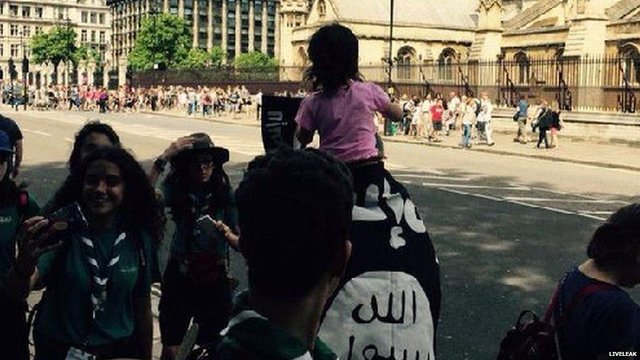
(203, 143)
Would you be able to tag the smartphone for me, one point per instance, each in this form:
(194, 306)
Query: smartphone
(207, 226)
(62, 224)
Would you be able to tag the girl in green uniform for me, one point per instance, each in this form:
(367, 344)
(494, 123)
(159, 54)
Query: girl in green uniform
(98, 271)
(195, 283)
(15, 206)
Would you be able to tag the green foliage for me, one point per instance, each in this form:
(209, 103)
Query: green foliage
(59, 44)
(217, 55)
(255, 61)
(196, 59)
(162, 39)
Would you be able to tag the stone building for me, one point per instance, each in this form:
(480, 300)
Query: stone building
(237, 26)
(21, 19)
(581, 52)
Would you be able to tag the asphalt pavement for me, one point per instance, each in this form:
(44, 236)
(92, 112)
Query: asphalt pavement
(503, 234)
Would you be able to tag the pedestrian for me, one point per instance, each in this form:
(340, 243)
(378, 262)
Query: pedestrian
(545, 120)
(341, 109)
(15, 139)
(295, 220)
(521, 119)
(196, 283)
(485, 131)
(468, 113)
(605, 318)
(437, 111)
(95, 257)
(556, 123)
(16, 205)
(258, 100)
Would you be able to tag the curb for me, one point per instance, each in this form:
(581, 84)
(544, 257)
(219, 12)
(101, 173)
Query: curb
(404, 141)
(510, 153)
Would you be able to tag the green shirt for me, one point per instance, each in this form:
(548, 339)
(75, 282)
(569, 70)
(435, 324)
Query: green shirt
(65, 315)
(10, 221)
(252, 336)
(188, 239)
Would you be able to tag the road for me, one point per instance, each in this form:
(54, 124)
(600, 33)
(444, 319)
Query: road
(505, 228)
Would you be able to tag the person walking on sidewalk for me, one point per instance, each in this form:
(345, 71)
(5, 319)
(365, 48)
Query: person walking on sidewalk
(483, 124)
(468, 113)
(545, 119)
(437, 111)
(521, 118)
(556, 123)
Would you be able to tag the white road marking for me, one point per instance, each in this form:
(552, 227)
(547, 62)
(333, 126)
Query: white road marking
(593, 201)
(548, 208)
(419, 176)
(596, 212)
(465, 186)
(37, 132)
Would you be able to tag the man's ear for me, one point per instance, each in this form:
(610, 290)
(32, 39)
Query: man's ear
(340, 265)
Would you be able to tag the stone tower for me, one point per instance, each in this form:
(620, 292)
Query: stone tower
(293, 14)
(486, 45)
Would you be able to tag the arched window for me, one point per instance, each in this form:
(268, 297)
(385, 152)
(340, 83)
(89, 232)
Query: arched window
(322, 8)
(630, 58)
(522, 68)
(406, 55)
(445, 64)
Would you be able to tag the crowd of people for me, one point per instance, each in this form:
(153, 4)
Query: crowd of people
(298, 217)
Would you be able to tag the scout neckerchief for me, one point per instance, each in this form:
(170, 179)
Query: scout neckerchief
(199, 207)
(100, 274)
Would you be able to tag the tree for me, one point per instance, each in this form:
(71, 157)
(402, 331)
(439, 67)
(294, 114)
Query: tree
(55, 46)
(217, 56)
(162, 39)
(255, 61)
(196, 59)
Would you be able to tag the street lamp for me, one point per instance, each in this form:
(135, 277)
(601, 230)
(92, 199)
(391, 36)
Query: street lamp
(69, 46)
(25, 71)
(390, 58)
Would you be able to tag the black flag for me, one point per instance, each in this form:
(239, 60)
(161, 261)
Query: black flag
(388, 304)
(278, 121)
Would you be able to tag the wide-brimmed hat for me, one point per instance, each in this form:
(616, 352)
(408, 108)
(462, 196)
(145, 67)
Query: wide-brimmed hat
(5, 143)
(203, 143)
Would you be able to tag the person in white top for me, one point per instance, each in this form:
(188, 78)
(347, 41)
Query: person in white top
(484, 120)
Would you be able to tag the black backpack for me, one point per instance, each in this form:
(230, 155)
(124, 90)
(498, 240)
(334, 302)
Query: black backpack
(538, 339)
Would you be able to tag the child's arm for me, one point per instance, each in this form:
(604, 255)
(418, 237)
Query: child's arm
(393, 112)
(304, 136)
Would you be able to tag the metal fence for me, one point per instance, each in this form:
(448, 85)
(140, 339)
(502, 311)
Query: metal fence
(598, 83)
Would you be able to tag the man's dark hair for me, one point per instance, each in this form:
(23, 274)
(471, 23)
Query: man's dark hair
(91, 127)
(294, 212)
(615, 245)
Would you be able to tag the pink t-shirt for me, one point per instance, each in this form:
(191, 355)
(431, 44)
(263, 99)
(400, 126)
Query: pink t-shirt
(345, 120)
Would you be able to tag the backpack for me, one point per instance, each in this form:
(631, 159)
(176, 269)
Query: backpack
(538, 339)
(478, 107)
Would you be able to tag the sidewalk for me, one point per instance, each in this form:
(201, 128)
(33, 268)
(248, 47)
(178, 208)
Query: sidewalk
(603, 154)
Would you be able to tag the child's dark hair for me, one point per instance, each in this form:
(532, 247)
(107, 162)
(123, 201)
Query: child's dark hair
(615, 245)
(91, 127)
(333, 51)
(139, 206)
(294, 213)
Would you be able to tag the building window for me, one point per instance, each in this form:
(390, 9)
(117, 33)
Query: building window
(102, 37)
(26, 11)
(322, 8)
(101, 18)
(1, 29)
(14, 30)
(13, 10)
(39, 12)
(84, 17)
(26, 31)
(38, 29)
(406, 55)
(1, 50)
(522, 68)
(630, 60)
(14, 50)
(445, 64)
(93, 18)
(93, 36)
(83, 36)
